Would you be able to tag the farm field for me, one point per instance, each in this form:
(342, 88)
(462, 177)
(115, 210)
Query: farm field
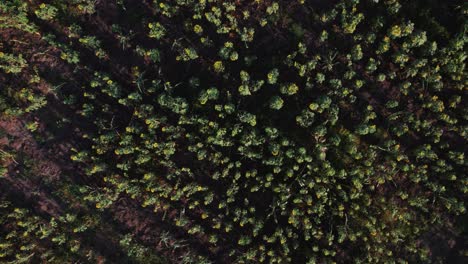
(238, 131)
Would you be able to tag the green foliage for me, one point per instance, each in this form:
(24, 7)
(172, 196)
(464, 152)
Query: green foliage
(273, 76)
(259, 132)
(276, 103)
(289, 89)
(218, 66)
(46, 12)
(13, 14)
(157, 30)
(9, 63)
